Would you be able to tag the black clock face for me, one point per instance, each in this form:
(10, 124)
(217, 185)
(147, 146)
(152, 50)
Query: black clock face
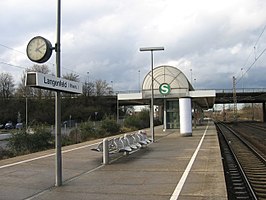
(39, 49)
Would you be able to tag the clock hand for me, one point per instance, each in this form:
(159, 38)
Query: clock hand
(38, 49)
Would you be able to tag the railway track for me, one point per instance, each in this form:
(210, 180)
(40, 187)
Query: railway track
(258, 126)
(254, 133)
(245, 168)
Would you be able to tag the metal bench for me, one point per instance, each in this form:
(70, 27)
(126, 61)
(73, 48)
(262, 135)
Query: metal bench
(132, 141)
(144, 137)
(125, 144)
(121, 145)
(111, 146)
(99, 148)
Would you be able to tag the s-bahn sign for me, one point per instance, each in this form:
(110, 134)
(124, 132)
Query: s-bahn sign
(165, 89)
(49, 82)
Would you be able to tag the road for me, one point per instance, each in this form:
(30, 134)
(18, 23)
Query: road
(5, 136)
(3, 142)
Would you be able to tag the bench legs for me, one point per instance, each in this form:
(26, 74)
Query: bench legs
(105, 152)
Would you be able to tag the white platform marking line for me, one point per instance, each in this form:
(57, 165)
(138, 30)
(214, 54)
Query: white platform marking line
(65, 182)
(182, 181)
(45, 156)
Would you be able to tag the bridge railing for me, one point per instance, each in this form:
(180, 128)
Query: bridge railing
(241, 90)
(238, 90)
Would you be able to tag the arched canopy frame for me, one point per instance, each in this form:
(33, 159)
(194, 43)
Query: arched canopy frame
(178, 82)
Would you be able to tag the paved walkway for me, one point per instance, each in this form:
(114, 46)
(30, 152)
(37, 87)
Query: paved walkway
(174, 167)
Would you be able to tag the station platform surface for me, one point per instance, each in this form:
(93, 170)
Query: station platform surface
(173, 167)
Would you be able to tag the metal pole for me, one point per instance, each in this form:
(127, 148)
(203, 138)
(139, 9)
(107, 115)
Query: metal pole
(191, 76)
(242, 77)
(139, 80)
(234, 99)
(152, 95)
(252, 112)
(151, 49)
(58, 144)
(117, 109)
(26, 110)
(164, 114)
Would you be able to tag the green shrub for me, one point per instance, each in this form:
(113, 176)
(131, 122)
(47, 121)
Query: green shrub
(144, 118)
(75, 136)
(132, 122)
(18, 143)
(23, 142)
(66, 140)
(110, 126)
(4, 153)
(138, 121)
(88, 131)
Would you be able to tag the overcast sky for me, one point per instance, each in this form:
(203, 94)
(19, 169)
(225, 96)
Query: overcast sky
(208, 39)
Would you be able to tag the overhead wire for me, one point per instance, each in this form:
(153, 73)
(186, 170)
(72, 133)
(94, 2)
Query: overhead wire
(252, 64)
(256, 57)
(260, 36)
(12, 49)
(5, 63)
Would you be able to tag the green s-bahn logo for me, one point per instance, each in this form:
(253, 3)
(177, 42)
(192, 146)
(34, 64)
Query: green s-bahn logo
(165, 89)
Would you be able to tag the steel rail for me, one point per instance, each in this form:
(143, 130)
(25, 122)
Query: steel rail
(238, 166)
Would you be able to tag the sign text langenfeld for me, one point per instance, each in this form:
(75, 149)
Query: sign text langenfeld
(36, 79)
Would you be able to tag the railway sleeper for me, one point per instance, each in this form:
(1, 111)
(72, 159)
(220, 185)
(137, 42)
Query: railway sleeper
(236, 179)
(262, 169)
(242, 194)
(258, 166)
(238, 184)
(260, 194)
(239, 188)
(259, 186)
(257, 176)
(261, 183)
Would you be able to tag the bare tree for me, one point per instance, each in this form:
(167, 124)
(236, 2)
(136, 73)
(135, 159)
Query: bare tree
(39, 68)
(71, 77)
(7, 86)
(88, 89)
(33, 92)
(101, 88)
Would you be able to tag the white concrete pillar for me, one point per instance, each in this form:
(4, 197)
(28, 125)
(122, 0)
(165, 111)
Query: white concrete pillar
(185, 116)
(164, 115)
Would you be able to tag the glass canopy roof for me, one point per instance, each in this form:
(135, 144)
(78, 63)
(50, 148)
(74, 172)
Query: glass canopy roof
(178, 82)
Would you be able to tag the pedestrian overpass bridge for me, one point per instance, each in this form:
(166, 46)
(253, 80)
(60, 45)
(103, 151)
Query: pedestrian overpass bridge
(243, 95)
(222, 96)
(169, 88)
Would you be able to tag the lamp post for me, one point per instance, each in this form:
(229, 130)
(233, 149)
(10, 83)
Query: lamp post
(112, 84)
(58, 136)
(117, 108)
(87, 84)
(152, 49)
(191, 76)
(242, 77)
(139, 80)
(26, 108)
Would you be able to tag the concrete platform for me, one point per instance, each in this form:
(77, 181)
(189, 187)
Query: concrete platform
(174, 167)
